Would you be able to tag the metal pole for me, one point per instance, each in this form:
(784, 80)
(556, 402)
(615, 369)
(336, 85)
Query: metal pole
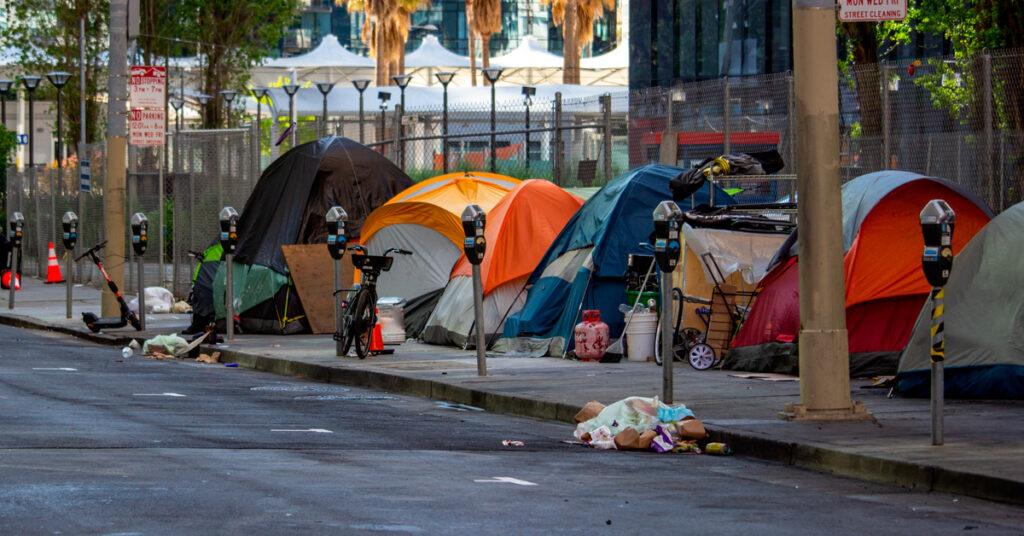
(527, 126)
(229, 304)
(938, 357)
(824, 358)
(667, 356)
(396, 134)
(323, 123)
(494, 126)
(57, 179)
(726, 119)
(142, 291)
(361, 139)
(990, 156)
(291, 118)
(606, 101)
(70, 280)
(884, 75)
(557, 164)
(444, 119)
(338, 310)
(160, 211)
(478, 309)
(14, 275)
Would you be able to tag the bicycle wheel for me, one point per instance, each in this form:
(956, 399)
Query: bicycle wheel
(347, 317)
(366, 317)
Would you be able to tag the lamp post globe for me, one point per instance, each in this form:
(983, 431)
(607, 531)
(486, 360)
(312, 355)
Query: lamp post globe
(492, 74)
(361, 84)
(325, 88)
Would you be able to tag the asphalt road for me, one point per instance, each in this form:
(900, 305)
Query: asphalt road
(93, 444)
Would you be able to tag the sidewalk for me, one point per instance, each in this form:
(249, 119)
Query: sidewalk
(984, 441)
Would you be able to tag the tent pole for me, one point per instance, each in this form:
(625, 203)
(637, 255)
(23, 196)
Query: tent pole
(507, 311)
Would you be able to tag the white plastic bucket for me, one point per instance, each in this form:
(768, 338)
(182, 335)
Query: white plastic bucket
(640, 335)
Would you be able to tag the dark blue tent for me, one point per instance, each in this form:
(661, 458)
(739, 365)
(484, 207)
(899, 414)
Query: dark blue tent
(588, 260)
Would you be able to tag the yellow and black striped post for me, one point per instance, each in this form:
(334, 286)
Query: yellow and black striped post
(938, 357)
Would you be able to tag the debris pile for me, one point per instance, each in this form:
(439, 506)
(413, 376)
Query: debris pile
(638, 423)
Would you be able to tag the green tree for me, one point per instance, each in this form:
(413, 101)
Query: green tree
(7, 145)
(45, 32)
(233, 36)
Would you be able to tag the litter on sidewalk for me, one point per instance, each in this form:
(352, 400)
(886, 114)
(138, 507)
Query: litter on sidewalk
(638, 423)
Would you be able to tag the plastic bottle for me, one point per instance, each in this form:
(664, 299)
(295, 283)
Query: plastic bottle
(126, 352)
(717, 449)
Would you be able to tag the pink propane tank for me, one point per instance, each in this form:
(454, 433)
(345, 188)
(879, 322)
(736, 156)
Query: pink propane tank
(591, 337)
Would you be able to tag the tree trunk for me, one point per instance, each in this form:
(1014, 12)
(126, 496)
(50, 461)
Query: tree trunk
(469, 35)
(485, 53)
(571, 48)
(381, 59)
(870, 84)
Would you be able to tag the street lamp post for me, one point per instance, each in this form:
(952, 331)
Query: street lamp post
(228, 95)
(291, 90)
(58, 79)
(259, 93)
(325, 88)
(202, 99)
(445, 78)
(177, 103)
(384, 97)
(361, 85)
(402, 81)
(528, 93)
(31, 82)
(5, 87)
(492, 74)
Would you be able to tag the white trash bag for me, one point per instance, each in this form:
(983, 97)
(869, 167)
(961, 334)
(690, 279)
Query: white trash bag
(158, 300)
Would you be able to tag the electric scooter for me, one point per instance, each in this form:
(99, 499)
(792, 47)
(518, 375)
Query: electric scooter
(96, 323)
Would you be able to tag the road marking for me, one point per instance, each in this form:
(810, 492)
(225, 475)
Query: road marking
(509, 480)
(68, 369)
(158, 394)
(314, 430)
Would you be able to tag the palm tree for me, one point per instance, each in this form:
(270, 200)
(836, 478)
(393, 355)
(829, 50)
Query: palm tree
(470, 44)
(385, 31)
(486, 21)
(576, 17)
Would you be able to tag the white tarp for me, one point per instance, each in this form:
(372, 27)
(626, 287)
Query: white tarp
(734, 251)
(431, 53)
(329, 53)
(453, 317)
(426, 270)
(616, 58)
(529, 54)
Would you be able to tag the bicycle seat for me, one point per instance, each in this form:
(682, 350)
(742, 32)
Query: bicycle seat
(372, 263)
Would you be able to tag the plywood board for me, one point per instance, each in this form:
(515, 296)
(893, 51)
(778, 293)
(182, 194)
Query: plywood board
(312, 270)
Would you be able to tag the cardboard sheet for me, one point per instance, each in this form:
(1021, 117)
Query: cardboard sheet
(312, 270)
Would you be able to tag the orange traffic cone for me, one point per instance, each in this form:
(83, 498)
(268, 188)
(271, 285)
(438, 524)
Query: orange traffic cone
(377, 339)
(6, 280)
(52, 268)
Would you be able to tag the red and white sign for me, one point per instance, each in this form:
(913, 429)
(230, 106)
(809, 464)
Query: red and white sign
(872, 10)
(147, 86)
(146, 127)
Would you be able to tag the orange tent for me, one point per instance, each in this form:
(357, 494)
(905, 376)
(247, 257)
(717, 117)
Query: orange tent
(426, 219)
(520, 228)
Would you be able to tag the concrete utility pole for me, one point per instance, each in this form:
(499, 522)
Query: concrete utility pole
(824, 348)
(117, 139)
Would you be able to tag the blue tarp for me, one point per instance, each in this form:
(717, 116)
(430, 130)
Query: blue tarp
(614, 222)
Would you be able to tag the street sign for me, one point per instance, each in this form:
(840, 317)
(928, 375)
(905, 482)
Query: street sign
(147, 86)
(146, 127)
(85, 180)
(22, 139)
(872, 10)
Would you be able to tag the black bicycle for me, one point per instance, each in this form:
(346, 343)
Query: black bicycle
(359, 314)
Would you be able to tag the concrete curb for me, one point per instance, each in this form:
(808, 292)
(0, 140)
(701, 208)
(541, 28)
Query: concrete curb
(806, 455)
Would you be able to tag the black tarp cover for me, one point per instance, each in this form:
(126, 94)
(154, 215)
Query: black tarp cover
(289, 202)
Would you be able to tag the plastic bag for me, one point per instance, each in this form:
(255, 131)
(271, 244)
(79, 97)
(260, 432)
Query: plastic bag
(673, 413)
(171, 343)
(158, 300)
(637, 412)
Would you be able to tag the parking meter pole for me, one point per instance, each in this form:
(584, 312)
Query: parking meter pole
(229, 304)
(938, 357)
(339, 348)
(478, 309)
(142, 291)
(17, 223)
(14, 275)
(667, 356)
(70, 282)
(140, 241)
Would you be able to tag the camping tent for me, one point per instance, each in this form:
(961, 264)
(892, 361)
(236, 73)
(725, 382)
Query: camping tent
(585, 265)
(885, 286)
(288, 206)
(983, 322)
(427, 220)
(519, 230)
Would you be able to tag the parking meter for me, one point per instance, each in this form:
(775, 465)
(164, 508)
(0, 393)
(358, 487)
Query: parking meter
(474, 220)
(336, 241)
(229, 229)
(668, 221)
(937, 222)
(17, 226)
(140, 225)
(70, 223)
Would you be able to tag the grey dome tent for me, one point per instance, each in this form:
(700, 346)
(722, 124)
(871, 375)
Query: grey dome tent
(983, 320)
(288, 206)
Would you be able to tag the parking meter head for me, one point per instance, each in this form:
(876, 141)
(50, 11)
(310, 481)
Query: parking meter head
(474, 221)
(937, 223)
(668, 221)
(229, 229)
(17, 226)
(140, 224)
(70, 224)
(336, 242)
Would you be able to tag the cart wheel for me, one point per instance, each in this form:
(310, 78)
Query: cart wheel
(701, 356)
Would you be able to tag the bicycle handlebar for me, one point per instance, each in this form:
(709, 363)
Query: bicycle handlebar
(399, 251)
(359, 248)
(91, 250)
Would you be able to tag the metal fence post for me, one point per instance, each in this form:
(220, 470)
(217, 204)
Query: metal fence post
(990, 157)
(791, 113)
(396, 130)
(884, 76)
(556, 166)
(726, 119)
(606, 108)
